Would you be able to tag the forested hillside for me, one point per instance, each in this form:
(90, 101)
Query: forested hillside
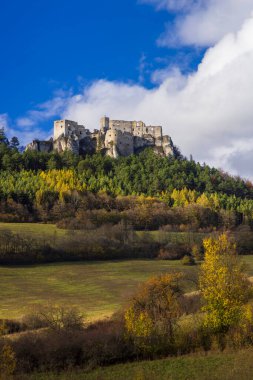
(146, 173)
(31, 182)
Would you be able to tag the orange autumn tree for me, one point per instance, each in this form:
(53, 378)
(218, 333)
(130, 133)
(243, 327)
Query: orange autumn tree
(154, 311)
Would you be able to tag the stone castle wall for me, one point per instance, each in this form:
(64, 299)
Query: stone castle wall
(115, 138)
(41, 146)
(119, 143)
(68, 128)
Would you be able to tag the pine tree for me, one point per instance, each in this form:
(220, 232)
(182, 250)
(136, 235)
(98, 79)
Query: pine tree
(14, 143)
(3, 138)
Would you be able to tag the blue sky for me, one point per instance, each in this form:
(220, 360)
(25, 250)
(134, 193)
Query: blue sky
(61, 44)
(184, 64)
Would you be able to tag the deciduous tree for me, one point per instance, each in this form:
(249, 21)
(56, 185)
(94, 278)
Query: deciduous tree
(223, 284)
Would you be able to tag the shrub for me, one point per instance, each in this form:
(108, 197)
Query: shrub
(8, 326)
(7, 362)
(173, 251)
(54, 317)
(152, 316)
(197, 252)
(188, 260)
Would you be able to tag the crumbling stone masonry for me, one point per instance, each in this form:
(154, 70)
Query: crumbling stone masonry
(114, 138)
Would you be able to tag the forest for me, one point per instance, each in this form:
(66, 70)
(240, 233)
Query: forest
(45, 187)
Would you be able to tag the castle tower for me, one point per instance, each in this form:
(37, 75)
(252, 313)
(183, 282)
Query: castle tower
(104, 124)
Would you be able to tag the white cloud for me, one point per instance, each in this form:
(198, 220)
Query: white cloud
(26, 121)
(208, 114)
(28, 135)
(160, 75)
(202, 22)
(45, 111)
(24, 134)
(172, 5)
(26, 127)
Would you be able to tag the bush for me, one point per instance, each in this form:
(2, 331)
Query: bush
(101, 343)
(197, 252)
(7, 362)
(188, 260)
(152, 316)
(8, 326)
(55, 318)
(191, 302)
(173, 251)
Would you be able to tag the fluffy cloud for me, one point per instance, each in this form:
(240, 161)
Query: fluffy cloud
(203, 22)
(208, 114)
(45, 110)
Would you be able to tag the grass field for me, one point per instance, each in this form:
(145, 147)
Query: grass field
(50, 231)
(97, 288)
(36, 230)
(220, 366)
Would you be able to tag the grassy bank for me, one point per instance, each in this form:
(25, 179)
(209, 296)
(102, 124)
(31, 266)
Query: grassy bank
(225, 366)
(34, 230)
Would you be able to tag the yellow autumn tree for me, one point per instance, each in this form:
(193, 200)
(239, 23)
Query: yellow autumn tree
(223, 284)
(184, 197)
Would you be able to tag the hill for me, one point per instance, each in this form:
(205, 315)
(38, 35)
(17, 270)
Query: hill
(31, 182)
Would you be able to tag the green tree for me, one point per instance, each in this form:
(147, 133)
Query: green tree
(14, 142)
(3, 138)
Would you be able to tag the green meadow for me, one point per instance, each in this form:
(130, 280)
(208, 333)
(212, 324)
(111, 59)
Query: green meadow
(97, 288)
(34, 230)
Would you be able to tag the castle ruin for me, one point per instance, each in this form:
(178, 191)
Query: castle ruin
(114, 138)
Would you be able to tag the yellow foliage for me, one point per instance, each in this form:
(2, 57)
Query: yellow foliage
(204, 201)
(223, 284)
(61, 180)
(183, 197)
(138, 324)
